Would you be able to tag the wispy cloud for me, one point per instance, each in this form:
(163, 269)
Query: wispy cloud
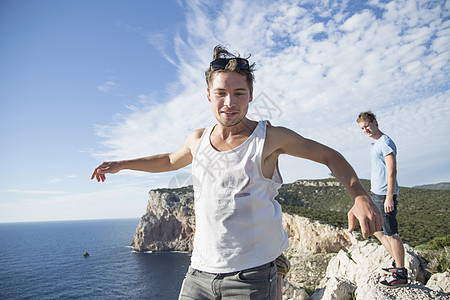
(36, 192)
(107, 86)
(55, 180)
(59, 179)
(160, 40)
(322, 63)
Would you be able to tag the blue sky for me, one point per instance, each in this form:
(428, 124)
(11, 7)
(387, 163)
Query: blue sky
(86, 81)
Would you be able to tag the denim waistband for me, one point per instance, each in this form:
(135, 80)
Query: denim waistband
(268, 265)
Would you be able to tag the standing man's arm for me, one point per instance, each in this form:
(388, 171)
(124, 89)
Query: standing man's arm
(391, 166)
(285, 141)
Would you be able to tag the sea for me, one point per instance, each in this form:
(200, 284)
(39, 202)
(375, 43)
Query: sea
(44, 260)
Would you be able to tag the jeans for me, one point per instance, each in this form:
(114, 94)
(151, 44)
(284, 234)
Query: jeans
(390, 227)
(257, 283)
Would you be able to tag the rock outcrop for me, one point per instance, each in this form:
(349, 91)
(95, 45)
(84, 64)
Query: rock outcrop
(357, 272)
(321, 255)
(317, 183)
(313, 237)
(440, 282)
(311, 246)
(168, 224)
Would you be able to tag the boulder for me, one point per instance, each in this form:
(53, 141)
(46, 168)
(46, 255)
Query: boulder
(440, 282)
(368, 257)
(361, 266)
(336, 288)
(291, 292)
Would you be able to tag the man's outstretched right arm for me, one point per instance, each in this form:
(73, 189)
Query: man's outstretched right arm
(153, 164)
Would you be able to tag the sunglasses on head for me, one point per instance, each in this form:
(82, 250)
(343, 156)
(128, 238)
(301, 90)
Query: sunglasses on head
(364, 114)
(221, 63)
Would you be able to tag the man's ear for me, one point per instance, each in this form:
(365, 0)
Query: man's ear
(251, 97)
(208, 95)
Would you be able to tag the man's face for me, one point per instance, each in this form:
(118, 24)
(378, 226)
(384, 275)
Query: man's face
(229, 95)
(369, 128)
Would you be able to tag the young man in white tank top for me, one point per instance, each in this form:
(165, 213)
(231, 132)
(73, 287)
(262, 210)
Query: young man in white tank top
(239, 232)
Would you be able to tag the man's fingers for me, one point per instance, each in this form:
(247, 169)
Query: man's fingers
(100, 177)
(373, 224)
(365, 227)
(369, 218)
(351, 221)
(93, 173)
(99, 172)
(368, 226)
(379, 222)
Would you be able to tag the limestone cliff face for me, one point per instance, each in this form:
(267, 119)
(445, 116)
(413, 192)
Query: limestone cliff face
(313, 237)
(168, 224)
(317, 183)
(311, 247)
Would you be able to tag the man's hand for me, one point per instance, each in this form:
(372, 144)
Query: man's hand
(106, 167)
(368, 215)
(388, 205)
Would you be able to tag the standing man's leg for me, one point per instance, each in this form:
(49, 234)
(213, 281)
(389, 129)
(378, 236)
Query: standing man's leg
(390, 239)
(394, 246)
(399, 274)
(398, 250)
(384, 241)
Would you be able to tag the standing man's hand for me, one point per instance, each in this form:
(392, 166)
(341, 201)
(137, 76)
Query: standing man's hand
(106, 167)
(368, 215)
(389, 204)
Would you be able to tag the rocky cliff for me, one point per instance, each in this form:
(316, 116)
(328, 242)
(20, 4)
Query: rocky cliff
(168, 224)
(321, 255)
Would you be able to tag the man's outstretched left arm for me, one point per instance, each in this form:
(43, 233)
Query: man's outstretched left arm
(363, 209)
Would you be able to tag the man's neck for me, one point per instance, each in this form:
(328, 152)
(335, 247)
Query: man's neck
(243, 128)
(377, 135)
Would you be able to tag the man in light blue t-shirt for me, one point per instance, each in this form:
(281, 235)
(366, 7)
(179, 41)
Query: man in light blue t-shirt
(384, 189)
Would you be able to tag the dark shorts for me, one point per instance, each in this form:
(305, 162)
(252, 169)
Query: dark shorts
(259, 283)
(390, 227)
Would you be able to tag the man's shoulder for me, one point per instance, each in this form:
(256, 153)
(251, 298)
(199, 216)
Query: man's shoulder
(277, 131)
(274, 128)
(277, 136)
(196, 134)
(387, 140)
(385, 145)
(193, 139)
(383, 139)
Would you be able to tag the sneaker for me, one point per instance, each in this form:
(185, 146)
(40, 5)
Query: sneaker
(390, 269)
(394, 282)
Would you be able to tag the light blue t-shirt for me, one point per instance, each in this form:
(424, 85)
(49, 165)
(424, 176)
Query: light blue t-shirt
(378, 179)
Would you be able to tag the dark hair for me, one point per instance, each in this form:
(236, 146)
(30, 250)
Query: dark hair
(222, 52)
(366, 116)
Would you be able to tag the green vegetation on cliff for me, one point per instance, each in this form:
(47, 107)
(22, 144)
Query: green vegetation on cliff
(423, 214)
(437, 254)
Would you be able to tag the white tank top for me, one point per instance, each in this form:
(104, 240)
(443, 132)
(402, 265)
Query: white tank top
(238, 220)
